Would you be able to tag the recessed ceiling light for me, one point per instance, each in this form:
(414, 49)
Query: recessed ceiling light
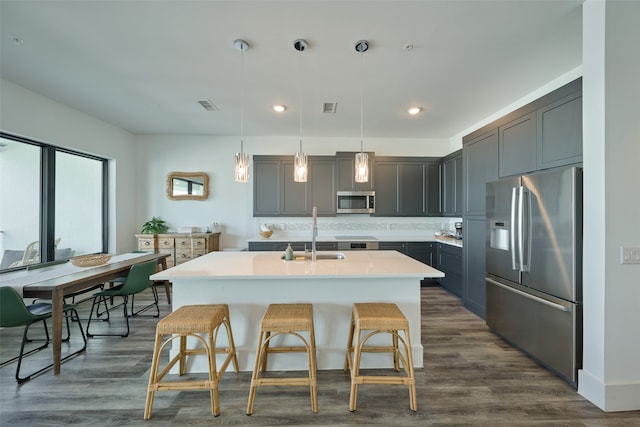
(279, 108)
(414, 110)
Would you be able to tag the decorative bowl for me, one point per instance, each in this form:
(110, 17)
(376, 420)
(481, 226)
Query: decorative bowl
(90, 260)
(266, 233)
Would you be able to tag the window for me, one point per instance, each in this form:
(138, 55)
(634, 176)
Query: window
(52, 203)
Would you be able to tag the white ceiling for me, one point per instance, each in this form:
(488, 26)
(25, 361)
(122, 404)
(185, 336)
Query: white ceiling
(143, 65)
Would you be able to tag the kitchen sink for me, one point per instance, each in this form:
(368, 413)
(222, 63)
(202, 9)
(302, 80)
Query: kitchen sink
(306, 256)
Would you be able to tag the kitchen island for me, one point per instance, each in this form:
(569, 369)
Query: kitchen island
(249, 281)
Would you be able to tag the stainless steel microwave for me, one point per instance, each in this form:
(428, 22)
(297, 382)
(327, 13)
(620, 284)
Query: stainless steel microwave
(361, 202)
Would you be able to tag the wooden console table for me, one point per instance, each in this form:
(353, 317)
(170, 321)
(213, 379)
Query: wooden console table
(181, 247)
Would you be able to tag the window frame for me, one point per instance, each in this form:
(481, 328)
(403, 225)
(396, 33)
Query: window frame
(48, 194)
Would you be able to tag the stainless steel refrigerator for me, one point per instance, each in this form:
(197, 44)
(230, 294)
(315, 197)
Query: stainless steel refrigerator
(534, 266)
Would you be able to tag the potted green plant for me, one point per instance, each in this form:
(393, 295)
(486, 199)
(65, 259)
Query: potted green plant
(155, 225)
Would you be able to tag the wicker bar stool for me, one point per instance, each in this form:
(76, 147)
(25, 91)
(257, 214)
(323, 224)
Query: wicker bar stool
(192, 321)
(379, 318)
(281, 319)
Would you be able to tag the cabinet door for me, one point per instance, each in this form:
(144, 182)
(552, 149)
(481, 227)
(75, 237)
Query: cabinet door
(294, 194)
(474, 268)
(448, 187)
(345, 174)
(322, 184)
(518, 146)
(424, 252)
(393, 246)
(450, 263)
(434, 188)
(412, 189)
(387, 191)
(480, 159)
(457, 162)
(266, 187)
(560, 132)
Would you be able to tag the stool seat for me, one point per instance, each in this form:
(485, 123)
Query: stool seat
(192, 321)
(372, 319)
(285, 319)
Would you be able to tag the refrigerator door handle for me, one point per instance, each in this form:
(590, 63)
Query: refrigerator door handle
(526, 295)
(521, 227)
(512, 231)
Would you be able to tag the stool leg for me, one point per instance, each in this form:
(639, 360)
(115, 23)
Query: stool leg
(152, 377)
(396, 362)
(263, 365)
(254, 375)
(312, 370)
(413, 397)
(355, 369)
(183, 354)
(232, 346)
(213, 374)
(349, 345)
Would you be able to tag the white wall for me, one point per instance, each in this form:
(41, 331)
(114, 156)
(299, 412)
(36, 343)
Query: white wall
(610, 377)
(231, 203)
(28, 114)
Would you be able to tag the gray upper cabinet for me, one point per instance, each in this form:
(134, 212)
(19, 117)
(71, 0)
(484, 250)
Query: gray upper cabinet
(387, 182)
(435, 188)
(452, 184)
(401, 186)
(560, 132)
(480, 160)
(294, 194)
(345, 173)
(322, 184)
(275, 193)
(518, 145)
(267, 171)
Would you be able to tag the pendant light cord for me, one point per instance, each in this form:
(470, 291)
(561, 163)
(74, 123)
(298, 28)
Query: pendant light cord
(300, 65)
(361, 105)
(241, 101)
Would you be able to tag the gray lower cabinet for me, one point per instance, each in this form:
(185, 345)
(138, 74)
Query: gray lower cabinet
(424, 252)
(450, 263)
(275, 193)
(393, 246)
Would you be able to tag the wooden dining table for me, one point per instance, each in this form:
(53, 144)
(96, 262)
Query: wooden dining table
(56, 288)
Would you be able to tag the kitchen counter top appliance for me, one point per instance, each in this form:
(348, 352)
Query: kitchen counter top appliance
(534, 266)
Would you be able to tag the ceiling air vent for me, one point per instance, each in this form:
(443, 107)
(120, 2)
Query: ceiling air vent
(208, 105)
(329, 107)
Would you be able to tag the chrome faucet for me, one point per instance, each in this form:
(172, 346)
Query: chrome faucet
(314, 233)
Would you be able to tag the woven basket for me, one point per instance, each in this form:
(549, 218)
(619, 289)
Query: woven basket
(90, 260)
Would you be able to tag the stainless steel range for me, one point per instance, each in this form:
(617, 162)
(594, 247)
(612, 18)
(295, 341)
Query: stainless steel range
(347, 243)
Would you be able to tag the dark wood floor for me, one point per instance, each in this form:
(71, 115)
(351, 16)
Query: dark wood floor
(470, 377)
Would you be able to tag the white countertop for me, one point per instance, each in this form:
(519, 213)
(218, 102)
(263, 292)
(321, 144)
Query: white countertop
(261, 265)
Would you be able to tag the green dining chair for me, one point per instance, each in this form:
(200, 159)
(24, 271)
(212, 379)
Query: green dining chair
(137, 281)
(14, 312)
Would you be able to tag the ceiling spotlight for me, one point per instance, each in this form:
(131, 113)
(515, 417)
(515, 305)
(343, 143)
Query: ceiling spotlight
(279, 108)
(414, 110)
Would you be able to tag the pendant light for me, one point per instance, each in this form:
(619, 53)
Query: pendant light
(300, 167)
(242, 158)
(362, 158)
